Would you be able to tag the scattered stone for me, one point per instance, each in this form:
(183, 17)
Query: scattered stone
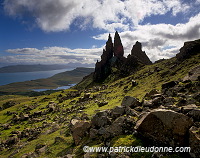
(6, 126)
(100, 104)
(133, 83)
(8, 104)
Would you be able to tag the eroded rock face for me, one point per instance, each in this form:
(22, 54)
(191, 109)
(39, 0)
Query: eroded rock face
(139, 54)
(165, 127)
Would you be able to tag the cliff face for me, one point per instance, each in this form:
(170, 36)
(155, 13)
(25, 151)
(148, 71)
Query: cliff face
(190, 48)
(113, 56)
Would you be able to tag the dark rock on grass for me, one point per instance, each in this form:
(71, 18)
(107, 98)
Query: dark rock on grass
(6, 126)
(169, 84)
(11, 141)
(129, 101)
(165, 127)
(100, 104)
(7, 105)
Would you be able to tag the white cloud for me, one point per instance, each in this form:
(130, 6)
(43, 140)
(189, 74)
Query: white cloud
(58, 15)
(52, 55)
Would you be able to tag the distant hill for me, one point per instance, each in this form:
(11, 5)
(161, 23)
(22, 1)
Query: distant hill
(58, 80)
(31, 68)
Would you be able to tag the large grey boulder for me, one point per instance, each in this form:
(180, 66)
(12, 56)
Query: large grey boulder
(165, 127)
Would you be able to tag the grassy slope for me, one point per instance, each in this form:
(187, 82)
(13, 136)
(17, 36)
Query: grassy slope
(61, 79)
(147, 79)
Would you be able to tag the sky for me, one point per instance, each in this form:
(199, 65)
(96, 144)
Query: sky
(74, 32)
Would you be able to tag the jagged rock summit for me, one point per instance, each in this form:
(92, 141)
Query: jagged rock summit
(113, 56)
(139, 54)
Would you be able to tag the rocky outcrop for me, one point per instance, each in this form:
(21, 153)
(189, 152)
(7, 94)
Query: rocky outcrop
(113, 56)
(190, 48)
(139, 54)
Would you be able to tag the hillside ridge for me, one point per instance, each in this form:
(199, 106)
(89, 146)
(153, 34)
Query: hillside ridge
(119, 111)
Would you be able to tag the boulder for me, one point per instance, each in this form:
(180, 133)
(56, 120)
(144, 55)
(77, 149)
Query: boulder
(171, 127)
(117, 111)
(100, 119)
(129, 101)
(100, 104)
(194, 141)
(79, 130)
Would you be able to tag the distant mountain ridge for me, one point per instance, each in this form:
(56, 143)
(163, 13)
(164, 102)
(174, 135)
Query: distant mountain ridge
(61, 79)
(31, 68)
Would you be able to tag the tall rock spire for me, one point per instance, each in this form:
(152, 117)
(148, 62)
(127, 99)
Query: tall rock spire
(102, 68)
(118, 47)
